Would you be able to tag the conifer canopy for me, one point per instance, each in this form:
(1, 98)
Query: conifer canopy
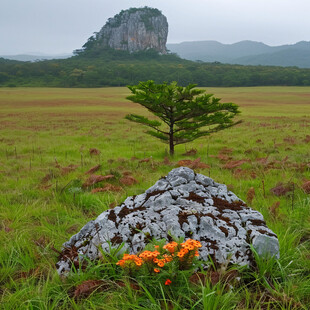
(186, 113)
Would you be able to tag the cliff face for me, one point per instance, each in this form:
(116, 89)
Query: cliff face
(135, 30)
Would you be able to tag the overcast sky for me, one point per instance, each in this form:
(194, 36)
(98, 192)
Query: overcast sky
(60, 26)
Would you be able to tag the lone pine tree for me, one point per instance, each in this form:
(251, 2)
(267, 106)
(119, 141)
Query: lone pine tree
(185, 112)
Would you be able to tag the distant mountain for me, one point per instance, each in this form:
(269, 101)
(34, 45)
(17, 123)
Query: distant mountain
(32, 58)
(245, 53)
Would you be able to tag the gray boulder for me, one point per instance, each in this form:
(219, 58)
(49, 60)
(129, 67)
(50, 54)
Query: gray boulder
(182, 204)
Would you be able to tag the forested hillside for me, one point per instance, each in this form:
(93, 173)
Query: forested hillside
(98, 68)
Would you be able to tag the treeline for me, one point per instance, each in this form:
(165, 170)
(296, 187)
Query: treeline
(98, 68)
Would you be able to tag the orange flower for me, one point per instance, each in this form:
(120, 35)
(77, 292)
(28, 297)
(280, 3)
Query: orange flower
(180, 254)
(129, 259)
(191, 242)
(161, 263)
(168, 258)
(198, 244)
(121, 262)
(185, 252)
(149, 255)
(171, 246)
(168, 282)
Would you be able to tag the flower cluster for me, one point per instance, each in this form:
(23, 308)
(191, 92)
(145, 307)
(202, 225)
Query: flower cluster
(183, 253)
(189, 249)
(129, 261)
(171, 247)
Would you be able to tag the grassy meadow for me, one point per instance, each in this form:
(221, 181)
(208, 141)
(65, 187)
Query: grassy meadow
(45, 139)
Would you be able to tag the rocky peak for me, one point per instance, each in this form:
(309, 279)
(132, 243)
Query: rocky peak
(133, 30)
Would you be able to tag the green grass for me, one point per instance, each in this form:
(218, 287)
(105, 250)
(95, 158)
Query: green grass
(43, 130)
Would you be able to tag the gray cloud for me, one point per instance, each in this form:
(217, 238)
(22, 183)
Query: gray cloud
(58, 26)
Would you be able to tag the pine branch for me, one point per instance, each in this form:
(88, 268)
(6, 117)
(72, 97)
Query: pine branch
(145, 121)
(160, 135)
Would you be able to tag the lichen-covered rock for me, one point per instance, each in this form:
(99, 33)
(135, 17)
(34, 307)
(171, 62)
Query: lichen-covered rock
(133, 30)
(182, 204)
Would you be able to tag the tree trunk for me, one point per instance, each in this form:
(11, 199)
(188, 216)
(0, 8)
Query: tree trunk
(171, 148)
(171, 144)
